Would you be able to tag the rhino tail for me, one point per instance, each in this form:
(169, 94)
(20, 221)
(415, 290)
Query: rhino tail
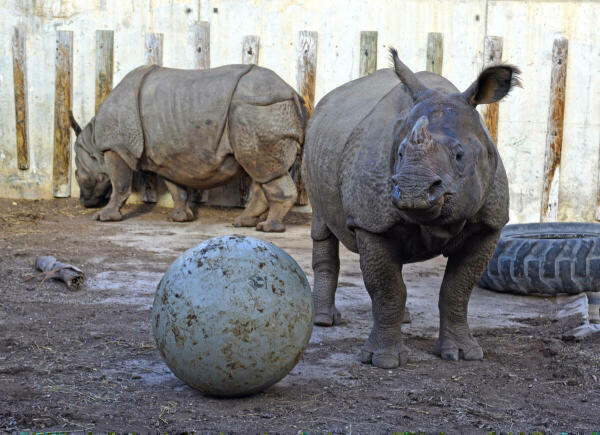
(76, 128)
(302, 116)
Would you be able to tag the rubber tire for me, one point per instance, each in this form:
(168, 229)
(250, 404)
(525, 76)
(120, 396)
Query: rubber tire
(546, 259)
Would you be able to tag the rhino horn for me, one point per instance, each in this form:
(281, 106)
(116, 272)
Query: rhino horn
(420, 133)
(413, 84)
(76, 128)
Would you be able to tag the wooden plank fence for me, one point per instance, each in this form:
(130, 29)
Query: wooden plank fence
(236, 192)
(492, 54)
(104, 65)
(368, 53)
(143, 181)
(554, 131)
(61, 166)
(20, 84)
(435, 52)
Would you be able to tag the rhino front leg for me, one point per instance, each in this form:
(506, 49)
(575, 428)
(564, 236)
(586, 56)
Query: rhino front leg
(326, 268)
(181, 210)
(257, 205)
(382, 273)
(120, 178)
(465, 266)
(281, 195)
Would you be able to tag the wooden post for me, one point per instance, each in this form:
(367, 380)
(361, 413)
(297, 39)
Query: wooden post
(554, 133)
(435, 52)
(154, 48)
(305, 78)
(104, 64)
(492, 54)
(368, 53)
(202, 45)
(146, 182)
(201, 61)
(597, 214)
(250, 48)
(61, 167)
(235, 193)
(20, 89)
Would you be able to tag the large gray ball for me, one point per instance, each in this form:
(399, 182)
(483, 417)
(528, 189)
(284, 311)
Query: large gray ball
(232, 316)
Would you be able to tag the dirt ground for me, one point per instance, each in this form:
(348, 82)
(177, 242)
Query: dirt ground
(87, 360)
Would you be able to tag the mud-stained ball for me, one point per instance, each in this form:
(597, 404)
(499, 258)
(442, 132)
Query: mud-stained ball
(232, 316)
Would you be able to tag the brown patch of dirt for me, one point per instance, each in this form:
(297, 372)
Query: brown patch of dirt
(69, 361)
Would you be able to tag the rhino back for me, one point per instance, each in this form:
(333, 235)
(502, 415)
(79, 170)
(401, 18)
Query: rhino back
(184, 113)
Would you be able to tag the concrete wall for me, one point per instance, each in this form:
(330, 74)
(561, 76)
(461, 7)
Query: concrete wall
(528, 28)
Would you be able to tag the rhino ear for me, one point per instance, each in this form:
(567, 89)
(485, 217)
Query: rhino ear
(413, 84)
(493, 84)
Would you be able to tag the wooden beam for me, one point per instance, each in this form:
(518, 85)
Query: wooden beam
(492, 54)
(201, 61)
(597, 214)
(202, 45)
(235, 193)
(104, 64)
(250, 46)
(554, 133)
(61, 166)
(20, 89)
(147, 182)
(305, 78)
(435, 52)
(368, 53)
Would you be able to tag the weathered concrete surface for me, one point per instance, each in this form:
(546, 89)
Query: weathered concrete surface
(528, 29)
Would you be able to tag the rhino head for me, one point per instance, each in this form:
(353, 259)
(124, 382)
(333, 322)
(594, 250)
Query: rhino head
(94, 184)
(444, 158)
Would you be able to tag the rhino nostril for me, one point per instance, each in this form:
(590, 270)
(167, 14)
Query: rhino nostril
(434, 188)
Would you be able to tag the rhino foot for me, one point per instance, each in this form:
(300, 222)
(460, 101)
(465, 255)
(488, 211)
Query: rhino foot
(107, 215)
(271, 226)
(181, 215)
(245, 221)
(453, 346)
(385, 359)
(328, 319)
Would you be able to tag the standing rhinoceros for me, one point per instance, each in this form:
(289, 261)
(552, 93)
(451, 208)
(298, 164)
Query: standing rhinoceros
(195, 128)
(400, 168)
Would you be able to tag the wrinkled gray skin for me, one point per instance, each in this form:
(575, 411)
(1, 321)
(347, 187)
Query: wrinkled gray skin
(198, 129)
(400, 168)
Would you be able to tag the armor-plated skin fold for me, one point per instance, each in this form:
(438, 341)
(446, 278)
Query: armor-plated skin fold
(198, 129)
(403, 171)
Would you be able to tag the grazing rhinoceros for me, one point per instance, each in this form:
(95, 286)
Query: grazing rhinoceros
(195, 128)
(400, 168)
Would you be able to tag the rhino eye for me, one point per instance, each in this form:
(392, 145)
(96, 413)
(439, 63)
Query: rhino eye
(459, 156)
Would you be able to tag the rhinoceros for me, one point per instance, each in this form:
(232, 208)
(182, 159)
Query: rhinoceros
(198, 129)
(400, 168)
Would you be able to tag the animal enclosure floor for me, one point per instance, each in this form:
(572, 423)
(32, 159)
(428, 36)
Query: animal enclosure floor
(87, 360)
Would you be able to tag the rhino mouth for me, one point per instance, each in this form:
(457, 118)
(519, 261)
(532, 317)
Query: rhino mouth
(423, 210)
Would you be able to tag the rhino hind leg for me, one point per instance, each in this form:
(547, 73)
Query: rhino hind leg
(326, 268)
(382, 274)
(182, 211)
(266, 140)
(120, 177)
(257, 205)
(281, 196)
